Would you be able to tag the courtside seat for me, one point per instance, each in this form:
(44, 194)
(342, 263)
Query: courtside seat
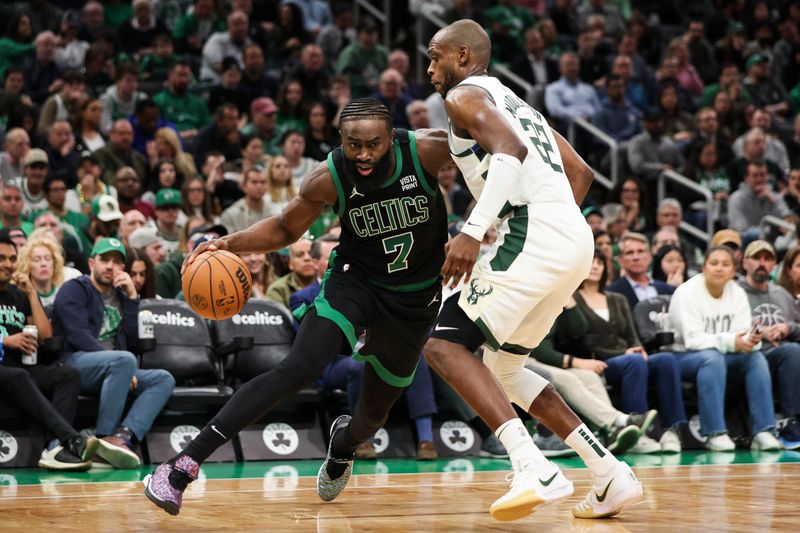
(181, 344)
(255, 341)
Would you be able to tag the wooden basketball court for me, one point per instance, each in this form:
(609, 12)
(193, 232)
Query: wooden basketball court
(738, 497)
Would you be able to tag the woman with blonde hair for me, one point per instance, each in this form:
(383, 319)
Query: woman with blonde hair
(261, 271)
(41, 260)
(280, 185)
(166, 145)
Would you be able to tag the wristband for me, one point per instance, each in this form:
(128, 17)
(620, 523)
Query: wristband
(569, 361)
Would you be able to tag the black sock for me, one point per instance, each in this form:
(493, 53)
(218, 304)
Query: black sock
(316, 344)
(203, 445)
(343, 446)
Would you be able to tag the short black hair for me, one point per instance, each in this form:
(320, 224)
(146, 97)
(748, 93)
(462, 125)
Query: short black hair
(364, 108)
(12, 70)
(142, 105)
(288, 133)
(5, 237)
(48, 182)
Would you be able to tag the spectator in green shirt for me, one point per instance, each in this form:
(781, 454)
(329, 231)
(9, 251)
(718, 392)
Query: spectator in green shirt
(186, 111)
(364, 60)
(18, 44)
(195, 27)
(55, 192)
(156, 67)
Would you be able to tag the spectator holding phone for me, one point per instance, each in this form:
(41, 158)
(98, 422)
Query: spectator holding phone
(712, 320)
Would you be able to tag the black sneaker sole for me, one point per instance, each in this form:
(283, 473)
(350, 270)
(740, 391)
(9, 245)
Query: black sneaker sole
(169, 507)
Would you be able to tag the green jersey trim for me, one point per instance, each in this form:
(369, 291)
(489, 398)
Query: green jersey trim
(513, 242)
(325, 310)
(417, 165)
(398, 162)
(384, 373)
(487, 333)
(339, 207)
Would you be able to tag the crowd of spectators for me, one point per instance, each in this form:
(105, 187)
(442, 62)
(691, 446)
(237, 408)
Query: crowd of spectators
(133, 130)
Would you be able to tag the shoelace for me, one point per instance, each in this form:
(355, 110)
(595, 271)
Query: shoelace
(179, 479)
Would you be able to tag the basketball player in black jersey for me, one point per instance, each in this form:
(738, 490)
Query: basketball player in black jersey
(383, 279)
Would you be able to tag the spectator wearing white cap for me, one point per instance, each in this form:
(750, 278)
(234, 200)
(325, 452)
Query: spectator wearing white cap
(147, 240)
(168, 209)
(32, 181)
(105, 217)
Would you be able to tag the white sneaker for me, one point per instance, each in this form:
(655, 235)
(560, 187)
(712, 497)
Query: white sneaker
(720, 443)
(670, 442)
(645, 445)
(531, 488)
(610, 493)
(765, 441)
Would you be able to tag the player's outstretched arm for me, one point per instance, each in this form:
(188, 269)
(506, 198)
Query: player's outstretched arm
(433, 150)
(316, 193)
(472, 110)
(580, 174)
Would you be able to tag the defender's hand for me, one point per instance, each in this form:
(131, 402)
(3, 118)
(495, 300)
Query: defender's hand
(460, 256)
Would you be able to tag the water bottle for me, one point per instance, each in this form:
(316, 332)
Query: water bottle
(145, 324)
(30, 358)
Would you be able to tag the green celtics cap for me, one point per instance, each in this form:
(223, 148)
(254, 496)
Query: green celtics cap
(168, 197)
(108, 244)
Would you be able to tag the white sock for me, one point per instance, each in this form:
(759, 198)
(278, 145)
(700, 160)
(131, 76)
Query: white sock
(621, 420)
(520, 446)
(591, 450)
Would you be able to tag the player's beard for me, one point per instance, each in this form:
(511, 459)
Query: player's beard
(379, 174)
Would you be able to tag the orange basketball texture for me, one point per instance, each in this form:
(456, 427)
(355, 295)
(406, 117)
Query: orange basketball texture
(217, 284)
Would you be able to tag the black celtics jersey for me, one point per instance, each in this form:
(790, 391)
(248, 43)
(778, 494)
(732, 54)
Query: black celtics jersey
(393, 235)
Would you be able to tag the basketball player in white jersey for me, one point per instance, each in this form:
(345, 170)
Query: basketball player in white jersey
(522, 172)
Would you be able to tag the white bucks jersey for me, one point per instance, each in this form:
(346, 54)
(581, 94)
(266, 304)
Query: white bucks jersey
(542, 179)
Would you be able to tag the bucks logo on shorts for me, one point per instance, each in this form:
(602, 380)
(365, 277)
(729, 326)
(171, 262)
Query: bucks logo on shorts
(476, 291)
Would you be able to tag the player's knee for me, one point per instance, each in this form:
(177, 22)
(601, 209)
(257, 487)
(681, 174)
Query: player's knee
(437, 355)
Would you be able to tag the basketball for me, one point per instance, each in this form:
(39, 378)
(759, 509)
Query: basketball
(217, 284)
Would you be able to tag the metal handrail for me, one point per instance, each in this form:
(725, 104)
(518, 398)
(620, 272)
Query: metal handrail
(384, 17)
(770, 220)
(499, 69)
(680, 179)
(603, 137)
(504, 71)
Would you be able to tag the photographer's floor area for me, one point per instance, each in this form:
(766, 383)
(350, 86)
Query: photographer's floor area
(739, 491)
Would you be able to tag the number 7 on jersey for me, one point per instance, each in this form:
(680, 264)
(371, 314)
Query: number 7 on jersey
(400, 244)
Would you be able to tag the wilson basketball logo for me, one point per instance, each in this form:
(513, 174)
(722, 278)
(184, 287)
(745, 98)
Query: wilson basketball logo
(457, 436)
(242, 277)
(280, 438)
(217, 284)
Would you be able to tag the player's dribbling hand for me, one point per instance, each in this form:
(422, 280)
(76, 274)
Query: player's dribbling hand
(460, 256)
(209, 246)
